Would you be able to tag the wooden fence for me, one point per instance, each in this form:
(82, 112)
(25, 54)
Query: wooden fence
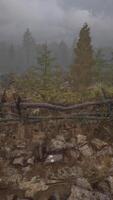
(24, 111)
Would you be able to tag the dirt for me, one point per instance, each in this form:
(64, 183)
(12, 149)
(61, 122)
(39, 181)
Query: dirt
(87, 159)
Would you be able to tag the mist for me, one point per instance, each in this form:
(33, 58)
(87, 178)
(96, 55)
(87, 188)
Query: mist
(55, 20)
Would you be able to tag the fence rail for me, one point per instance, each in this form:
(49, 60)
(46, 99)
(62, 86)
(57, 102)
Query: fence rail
(59, 107)
(102, 110)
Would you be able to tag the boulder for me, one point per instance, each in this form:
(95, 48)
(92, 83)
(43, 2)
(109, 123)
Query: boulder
(83, 183)
(86, 151)
(106, 151)
(110, 181)
(81, 140)
(58, 142)
(54, 158)
(103, 186)
(78, 193)
(32, 186)
(30, 161)
(98, 144)
(19, 161)
(67, 172)
(74, 154)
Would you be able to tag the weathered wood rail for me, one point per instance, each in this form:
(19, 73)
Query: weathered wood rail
(78, 111)
(58, 107)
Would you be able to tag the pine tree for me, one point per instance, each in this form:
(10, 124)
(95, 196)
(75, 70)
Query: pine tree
(29, 47)
(44, 61)
(100, 66)
(81, 72)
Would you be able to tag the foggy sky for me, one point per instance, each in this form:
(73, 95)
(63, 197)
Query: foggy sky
(55, 20)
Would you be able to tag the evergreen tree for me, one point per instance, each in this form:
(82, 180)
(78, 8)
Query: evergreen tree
(100, 65)
(58, 76)
(81, 72)
(44, 61)
(29, 47)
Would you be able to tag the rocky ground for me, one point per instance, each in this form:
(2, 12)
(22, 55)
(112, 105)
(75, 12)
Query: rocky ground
(62, 161)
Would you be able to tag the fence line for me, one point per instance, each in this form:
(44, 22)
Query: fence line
(17, 114)
(58, 107)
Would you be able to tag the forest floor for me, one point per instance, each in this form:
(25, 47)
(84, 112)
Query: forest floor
(62, 158)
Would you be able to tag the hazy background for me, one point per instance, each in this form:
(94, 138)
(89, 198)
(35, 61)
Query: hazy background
(56, 19)
(52, 21)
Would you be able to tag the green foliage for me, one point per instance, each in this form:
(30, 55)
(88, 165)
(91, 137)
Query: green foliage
(81, 71)
(29, 47)
(45, 61)
(49, 83)
(100, 66)
(29, 85)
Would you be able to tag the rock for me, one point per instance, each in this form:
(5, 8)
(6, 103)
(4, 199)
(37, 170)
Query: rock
(30, 161)
(103, 186)
(19, 161)
(111, 167)
(78, 193)
(26, 165)
(7, 149)
(54, 158)
(69, 145)
(26, 169)
(86, 151)
(81, 140)
(33, 186)
(18, 153)
(98, 144)
(101, 196)
(74, 154)
(21, 146)
(58, 142)
(110, 181)
(54, 192)
(66, 172)
(106, 151)
(83, 183)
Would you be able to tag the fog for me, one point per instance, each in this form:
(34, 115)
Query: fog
(55, 20)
